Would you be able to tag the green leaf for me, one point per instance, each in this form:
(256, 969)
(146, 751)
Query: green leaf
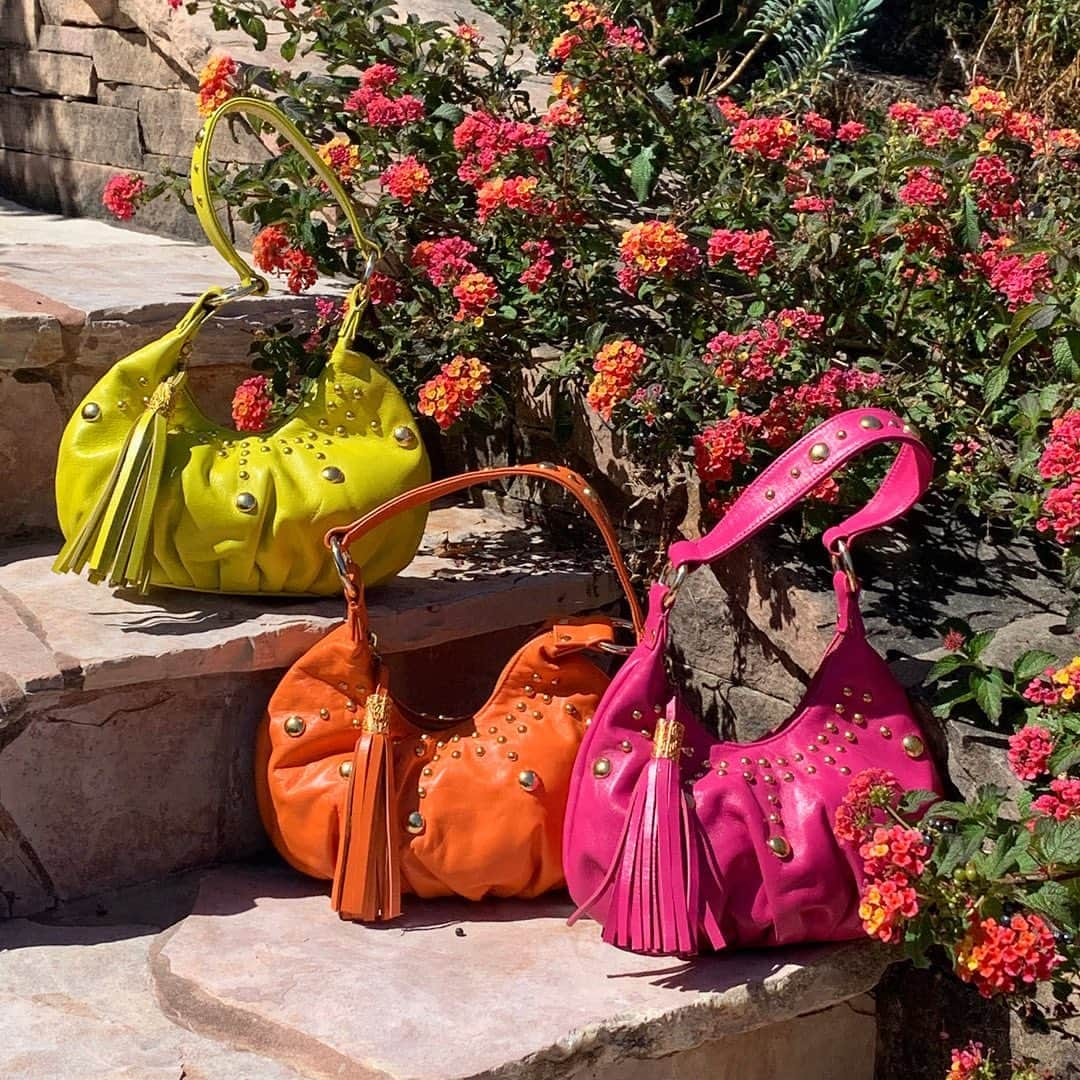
(988, 689)
(977, 645)
(959, 849)
(1065, 352)
(1006, 854)
(643, 173)
(1031, 663)
(971, 232)
(1064, 758)
(449, 111)
(995, 383)
(288, 46)
(945, 666)
(916, 799)
(1060, 843)
(1054, 901)
(1021, 342)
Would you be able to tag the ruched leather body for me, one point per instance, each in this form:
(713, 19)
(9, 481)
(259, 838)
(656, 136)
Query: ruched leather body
(336, 455)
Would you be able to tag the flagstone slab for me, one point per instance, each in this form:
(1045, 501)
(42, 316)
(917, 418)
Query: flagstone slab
(505, 989)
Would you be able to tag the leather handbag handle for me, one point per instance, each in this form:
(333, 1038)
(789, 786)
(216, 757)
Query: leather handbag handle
(802, 467)
(252, 283)
(340, 539)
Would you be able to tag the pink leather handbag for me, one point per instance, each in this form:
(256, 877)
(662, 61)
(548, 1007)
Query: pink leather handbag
(676, 841)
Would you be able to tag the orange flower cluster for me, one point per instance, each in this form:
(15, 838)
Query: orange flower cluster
(1001, 957)
(216, 83)
(273, 253)
(655, 249)
(252, 403)
(511, 192)
(406, 179)
(340, 154)
(475, 293)
(456, 389)
(617, 365)
(884, 907)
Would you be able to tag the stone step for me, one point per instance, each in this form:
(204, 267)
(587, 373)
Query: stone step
(127, 722)
(263, 980)
(75, 297)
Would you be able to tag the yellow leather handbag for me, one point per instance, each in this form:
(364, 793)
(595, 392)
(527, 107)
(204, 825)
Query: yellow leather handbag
(150, 491)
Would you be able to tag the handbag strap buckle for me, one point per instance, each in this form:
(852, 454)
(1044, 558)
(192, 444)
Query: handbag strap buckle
(345, 568)
(614, 646)
(841, 560)
(673, 577)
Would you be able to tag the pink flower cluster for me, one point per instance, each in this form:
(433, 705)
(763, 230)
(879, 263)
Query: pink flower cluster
(1016, 277)
(769, 138)
(968, 1063)
(486, 141)
(746, 359)
(750, 250)
(868, 791)
(996, 187)
(923, 189)
(1063, 803)
(376, 106)
(535, 275)
(445, 261)
(719, 448)
(896, 851)
(1061, 514)
(1029, 751)
(1060, 464)
(930, 126)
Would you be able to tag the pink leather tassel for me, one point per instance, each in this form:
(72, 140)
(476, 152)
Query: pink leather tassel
(653, 877)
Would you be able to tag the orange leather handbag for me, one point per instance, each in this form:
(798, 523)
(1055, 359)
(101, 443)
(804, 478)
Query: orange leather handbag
(355, 786)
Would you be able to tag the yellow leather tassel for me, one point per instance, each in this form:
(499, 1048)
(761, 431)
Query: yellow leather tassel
(114, 540)
(367, 884)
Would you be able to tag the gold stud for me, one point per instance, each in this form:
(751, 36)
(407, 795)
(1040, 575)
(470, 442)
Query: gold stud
(831, 728)
(351, 706)
(744, 761)
(414, 823)
(522, 728)
(822, 739)
(763, 762)
(779, 847)
(601, 767)
(829, 760)
(747, 775)
(845, 771)
(721, 764)
(770, 494)
(796, 472)
(774, 799)
(839, 709)
(454, 738)
(294, 726)
(850, 736)
(769, 778)
(841, 434)
(333, 474)
(913, 746)
(787, 776)
(243, 475)
(571, 710)
(868, 697)
(91, 411)
(528, 780)
(284, 450)
(847, 691)
(422, 792)
(886, 732)
(774, 818)
(246, 503)
(511, 755)
(870, 423)
(537, 714)
(480, 751)
(636, 714)
(547, 699)
(339, 430)
(494, 730)
(323, 422)
(588, 493)
(858, 718)
(626, 746)
(529, 691)
(521, 706)
(819, 452)
(501, 739)
(345, 768)
(811, 769)
(350, 415)
(324, 714)
(427, 770)
(456, 754)
(405, 437)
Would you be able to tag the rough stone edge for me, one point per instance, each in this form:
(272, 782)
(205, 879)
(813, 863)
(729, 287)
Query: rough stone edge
(187, 1005)
(649, 1036)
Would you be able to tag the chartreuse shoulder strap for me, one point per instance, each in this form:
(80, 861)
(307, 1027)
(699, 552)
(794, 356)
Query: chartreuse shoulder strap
(113, 541)
(252, 283)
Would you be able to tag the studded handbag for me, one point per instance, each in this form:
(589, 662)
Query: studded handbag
(356, 787)
(149, 491)
(674, 840)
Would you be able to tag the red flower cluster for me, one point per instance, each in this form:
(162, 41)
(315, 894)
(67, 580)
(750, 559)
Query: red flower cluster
(273, 253)
(953, 641)
(252, 403)
(730, 110)
(923, 189)
(851, 131)
(445, 260)
(123, 194)
(341, 155)
(406, 179)
(455, 390)
(511, 193)
(925, 236)
(818, 126)
(788, 412)
(869, 790)
(589, 16)
(1017, 278)
(1061, 458)
(968, 1063)
(812, 204)
(719, 448)
(1061, 514)
(769, 138)
(996, 187)
(617, 365)
(535, 275)
(485, 142)
(383, 290)
(1063, 804)
(930, 126)
(377, 107)
(749, 250)
(1001, 957)
(655, 249)
(216, 83)
(746, 359)
(894, 852)
(475, 293)
(1029, 751)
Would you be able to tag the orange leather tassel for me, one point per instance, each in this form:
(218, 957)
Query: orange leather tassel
(367, 882)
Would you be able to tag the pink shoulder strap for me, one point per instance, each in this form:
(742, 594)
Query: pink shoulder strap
(802, 467)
